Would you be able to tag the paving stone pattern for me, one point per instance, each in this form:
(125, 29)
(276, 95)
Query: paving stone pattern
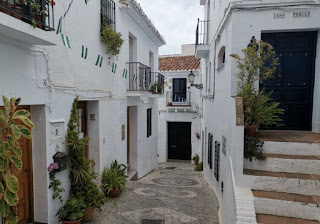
(178, 195)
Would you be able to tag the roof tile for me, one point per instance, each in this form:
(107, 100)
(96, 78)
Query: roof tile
(179, 63)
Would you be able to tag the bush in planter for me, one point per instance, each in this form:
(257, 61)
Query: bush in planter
(73, 210)
(199, 167)
(121, 168)
(258, 64)
(112, 182)
(195, 158)
(253, 148)
(112, 39)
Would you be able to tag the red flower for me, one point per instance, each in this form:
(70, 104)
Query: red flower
(53, 2)
(74, 141)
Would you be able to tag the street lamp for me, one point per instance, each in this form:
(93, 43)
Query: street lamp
(191, 78)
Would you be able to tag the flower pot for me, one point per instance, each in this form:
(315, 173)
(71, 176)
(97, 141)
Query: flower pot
(250, 131)
(113, 193)
(196, 162)
(38, 19)
(17, 13)
(88, 214)
(4, 10)
(72, 222)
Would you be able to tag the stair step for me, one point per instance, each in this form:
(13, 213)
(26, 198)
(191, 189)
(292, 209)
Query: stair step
(272, 219)
(281, 174)
(296, 157)
(308, 199)
(291, 148)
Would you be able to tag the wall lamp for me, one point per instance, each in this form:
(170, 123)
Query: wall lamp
(191, 78)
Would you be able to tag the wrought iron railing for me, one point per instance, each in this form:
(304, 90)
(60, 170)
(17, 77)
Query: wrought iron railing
(39, 13)
(202, 32)
(157, 83)
(139, 76)
(178, 98)
(108, 13)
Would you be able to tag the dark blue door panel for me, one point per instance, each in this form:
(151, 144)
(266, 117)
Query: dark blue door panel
(293, 82)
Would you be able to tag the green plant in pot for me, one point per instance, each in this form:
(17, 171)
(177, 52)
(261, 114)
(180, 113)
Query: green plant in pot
(82, 175)
(112, 39)
(195, 159)
(153, 88)
(14, 124)
(112, 182)
(72, 211)
(199, 167)
(258, 64)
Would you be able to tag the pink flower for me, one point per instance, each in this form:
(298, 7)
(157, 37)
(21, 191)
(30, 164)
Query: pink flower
(53, 166)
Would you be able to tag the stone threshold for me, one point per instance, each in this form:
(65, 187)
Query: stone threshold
(287, 197)
(272, 219)
(289, 136)
(281, 174)
(302, 157)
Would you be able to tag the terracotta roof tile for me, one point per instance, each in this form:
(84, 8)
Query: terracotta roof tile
(179, 63)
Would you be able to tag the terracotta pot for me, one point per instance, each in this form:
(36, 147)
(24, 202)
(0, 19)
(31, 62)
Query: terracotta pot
(16, 14)
(113, 193)
(71, 222)
(88, 214)
(6, 11)
(250, 131)
(196, 162)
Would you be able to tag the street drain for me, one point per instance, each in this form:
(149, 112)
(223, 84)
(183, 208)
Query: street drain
(170, 168)
(151, 221)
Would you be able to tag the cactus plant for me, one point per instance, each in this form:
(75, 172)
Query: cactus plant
(10, 153)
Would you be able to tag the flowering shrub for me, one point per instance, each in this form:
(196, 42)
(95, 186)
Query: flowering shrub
(55, 184)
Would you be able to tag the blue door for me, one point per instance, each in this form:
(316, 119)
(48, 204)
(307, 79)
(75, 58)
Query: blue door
(293, 82)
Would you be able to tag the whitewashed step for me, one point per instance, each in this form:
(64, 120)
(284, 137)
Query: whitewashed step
(289, 164)
(287, 208)
(291, 148)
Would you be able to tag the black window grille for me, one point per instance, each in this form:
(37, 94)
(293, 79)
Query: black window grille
(210, 139)
(149, 121)
(217, 160)
(108, 13)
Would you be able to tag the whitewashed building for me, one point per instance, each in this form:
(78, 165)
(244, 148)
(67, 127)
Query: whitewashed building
(64, 58)
(179, 117)
(287, 182)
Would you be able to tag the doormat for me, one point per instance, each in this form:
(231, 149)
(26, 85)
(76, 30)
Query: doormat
(170, 168)
(151, 221)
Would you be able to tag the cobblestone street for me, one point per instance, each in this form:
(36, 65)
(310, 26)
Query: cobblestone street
(178, 195)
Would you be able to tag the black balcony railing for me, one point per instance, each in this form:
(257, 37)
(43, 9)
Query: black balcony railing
(157, 83)
(202, 32)
(179, 98)
(142, 79)
(39, 13)
(108, 13)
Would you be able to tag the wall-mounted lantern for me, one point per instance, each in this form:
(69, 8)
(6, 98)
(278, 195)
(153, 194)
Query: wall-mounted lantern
(191, 78)
(61, 159)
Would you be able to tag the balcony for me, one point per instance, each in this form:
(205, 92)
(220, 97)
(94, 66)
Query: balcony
(142, 80)
(178, 98)
(202, 42)
(18, 16)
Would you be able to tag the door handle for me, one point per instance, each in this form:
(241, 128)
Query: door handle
(173, 146)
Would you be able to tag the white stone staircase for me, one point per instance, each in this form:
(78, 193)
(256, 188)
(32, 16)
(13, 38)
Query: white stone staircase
(286, 186)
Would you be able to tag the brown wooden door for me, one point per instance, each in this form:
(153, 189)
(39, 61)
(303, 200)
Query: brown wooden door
(25, 177)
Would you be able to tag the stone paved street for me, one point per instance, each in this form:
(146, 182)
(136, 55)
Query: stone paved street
(178, 195)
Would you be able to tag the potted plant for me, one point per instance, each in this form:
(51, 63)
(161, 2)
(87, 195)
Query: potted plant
(199, 167)
(72, 211)
(112, 39)
(153, 88)
(112, 182)
(258, 64)
(195, 159)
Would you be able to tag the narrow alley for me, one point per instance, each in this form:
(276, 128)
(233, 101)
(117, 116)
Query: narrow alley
(173, 193)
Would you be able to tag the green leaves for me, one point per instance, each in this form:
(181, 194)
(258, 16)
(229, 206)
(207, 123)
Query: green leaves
(11, 182)
(12, 199)
(16, 161)
(4, 208)
(4, 148)
(15, 148)
(15, 131)
(4, 163)
(21, 113)
(1, 190)
(6, 104)
(26, 121)
(25, 132)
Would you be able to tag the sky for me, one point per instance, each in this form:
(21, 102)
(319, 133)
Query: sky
(176, 20)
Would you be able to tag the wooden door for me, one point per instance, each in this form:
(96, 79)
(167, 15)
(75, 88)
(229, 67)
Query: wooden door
(179, 140)
(25, 177)
(293, 83)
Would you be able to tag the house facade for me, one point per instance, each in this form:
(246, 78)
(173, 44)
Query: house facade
(179, 117)
(64, 58)
(245, 188)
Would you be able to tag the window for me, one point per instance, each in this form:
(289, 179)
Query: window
(221, 57)
(108, 13)
(179, 93)
(149, 120)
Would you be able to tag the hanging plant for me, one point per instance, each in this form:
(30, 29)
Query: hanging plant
(55, 184)
(14, 124)
(112, 39)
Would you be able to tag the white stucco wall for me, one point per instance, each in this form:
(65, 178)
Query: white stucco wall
(50, 77)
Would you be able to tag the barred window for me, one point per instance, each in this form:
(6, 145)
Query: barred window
(149, 125)
(108, 13)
